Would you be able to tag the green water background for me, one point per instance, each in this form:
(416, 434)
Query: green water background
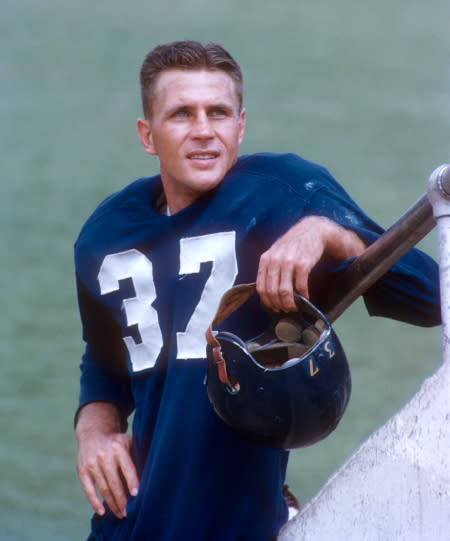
(360, 87)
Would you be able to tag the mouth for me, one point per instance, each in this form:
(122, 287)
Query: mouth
(202, 155)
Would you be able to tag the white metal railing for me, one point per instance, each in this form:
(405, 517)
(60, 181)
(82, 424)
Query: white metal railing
(439, 196)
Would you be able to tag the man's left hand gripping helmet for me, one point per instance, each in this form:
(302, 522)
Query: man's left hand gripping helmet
(286, 388)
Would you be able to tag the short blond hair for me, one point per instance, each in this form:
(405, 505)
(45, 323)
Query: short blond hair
(189, 55)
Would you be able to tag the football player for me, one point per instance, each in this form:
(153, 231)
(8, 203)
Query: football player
(152, 263)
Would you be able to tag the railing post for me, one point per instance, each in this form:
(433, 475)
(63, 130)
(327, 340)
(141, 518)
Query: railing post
(439, 196)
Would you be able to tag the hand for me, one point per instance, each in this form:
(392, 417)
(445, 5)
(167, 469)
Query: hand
(286, 265)
(104, 459)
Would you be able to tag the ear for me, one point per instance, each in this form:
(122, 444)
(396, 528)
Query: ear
(144, 130)
(241, 125)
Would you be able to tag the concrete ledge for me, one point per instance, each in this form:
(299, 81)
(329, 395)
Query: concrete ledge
(396, 486)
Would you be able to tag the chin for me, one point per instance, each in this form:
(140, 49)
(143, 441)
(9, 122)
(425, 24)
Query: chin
(207, 184)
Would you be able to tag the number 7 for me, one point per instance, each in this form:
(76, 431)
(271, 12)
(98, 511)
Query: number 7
(220, 249)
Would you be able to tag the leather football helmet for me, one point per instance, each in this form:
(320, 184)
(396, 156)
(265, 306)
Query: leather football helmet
(286, 388)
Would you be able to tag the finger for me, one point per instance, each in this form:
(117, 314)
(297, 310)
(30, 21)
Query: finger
(261, 279)
(272, 287)
(277, 290)
(300, 281)
(110, 498)
(267, 286)
(286, 290)
(111, 485)
(93, 476)
(127, 467)
(88, 485)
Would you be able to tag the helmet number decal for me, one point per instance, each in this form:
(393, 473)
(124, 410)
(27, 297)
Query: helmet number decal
(329, 349)
(313, 367)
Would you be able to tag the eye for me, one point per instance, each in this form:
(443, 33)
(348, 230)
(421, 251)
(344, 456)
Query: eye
(219, 113)
(181, 113)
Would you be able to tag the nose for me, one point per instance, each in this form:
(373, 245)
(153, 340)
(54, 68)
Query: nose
(202, 127)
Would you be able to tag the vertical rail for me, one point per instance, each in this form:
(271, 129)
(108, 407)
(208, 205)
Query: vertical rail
(439, 196)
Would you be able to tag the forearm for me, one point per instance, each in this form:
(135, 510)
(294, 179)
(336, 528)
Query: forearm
(340, 243)
(408, 291)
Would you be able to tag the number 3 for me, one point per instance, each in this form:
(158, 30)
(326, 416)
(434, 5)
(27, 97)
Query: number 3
(218, 248)
(139, 310)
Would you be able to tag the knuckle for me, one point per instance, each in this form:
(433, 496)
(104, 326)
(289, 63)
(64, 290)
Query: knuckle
(101, 456)
(272, 257)
(272, 268)
(91, 464)
(105, 491)
(83, 474)
(285, 293)
(290, 258)
(116, 446)
(300, 262)
(263, 256)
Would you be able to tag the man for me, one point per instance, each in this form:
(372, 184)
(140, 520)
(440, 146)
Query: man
(152, 264)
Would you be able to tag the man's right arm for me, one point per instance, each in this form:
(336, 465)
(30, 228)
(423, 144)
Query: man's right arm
(104, 458)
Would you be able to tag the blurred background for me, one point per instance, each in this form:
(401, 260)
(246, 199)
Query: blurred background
(362, 88)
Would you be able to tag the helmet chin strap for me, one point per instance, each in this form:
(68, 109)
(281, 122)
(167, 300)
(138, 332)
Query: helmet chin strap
(231, 301)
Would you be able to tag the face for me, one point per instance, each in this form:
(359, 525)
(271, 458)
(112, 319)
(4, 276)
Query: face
(195, 129)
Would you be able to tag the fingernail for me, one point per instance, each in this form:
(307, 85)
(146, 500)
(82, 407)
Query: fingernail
(134, 492)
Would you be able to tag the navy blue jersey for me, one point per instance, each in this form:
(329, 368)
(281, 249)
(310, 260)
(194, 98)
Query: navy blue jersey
(148, 287)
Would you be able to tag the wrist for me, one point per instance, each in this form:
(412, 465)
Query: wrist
(96, 417)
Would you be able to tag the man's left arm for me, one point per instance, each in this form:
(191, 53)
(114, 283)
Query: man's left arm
(409, 291)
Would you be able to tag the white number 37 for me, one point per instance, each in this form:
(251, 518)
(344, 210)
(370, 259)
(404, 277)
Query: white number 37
(218, 248)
